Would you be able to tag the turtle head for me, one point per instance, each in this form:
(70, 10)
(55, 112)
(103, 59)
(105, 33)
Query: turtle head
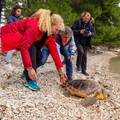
(103, 94)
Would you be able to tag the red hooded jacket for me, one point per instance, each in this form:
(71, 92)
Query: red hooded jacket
(22, 34)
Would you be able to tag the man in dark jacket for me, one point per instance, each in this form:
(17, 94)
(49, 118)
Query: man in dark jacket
(83, 31)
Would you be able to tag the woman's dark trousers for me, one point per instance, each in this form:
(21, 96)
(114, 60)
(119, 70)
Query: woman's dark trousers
(35, 58)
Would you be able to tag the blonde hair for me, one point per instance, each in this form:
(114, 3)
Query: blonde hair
(47, 19)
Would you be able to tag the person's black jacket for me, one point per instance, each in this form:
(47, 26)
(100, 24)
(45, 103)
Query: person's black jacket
(80, 38)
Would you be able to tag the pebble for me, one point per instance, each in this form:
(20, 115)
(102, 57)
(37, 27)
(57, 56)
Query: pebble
(50, 103)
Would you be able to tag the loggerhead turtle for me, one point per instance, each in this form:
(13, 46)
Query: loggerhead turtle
(87, 89)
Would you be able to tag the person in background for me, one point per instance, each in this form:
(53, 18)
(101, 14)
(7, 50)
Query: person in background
(15, 15)
(24, 33)
(83, 31)
(92, 20)
(66, 47)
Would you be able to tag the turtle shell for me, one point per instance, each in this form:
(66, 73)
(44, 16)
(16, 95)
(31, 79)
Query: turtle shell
(82, 88)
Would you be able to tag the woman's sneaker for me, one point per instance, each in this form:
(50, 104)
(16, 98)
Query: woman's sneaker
(32, 84)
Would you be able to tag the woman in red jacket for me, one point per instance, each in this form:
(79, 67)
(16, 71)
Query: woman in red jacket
(22, 34)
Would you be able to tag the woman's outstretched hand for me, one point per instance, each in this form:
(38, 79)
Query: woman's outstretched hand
(63, 77)
(32, 74)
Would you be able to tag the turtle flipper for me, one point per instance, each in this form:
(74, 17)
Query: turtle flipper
(88, 101)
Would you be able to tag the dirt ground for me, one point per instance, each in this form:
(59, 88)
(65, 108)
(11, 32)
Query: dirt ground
(51, 102)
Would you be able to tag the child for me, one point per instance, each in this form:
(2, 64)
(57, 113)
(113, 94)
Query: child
(15, 15)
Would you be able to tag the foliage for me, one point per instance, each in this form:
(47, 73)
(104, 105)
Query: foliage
(105, 12)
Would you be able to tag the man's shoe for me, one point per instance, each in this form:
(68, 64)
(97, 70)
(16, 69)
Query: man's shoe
(32, 84)
(79, 69)
(85, 73)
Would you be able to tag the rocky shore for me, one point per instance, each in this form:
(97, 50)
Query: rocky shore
(52, 102)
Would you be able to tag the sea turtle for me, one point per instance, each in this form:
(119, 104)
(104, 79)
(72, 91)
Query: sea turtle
(87, 89)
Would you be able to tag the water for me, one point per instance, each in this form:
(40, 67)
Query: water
(115, 65)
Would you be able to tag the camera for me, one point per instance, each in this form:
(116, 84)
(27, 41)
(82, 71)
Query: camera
(86, 31)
